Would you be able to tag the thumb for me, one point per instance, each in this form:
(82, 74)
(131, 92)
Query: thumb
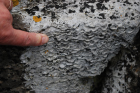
(22, 38)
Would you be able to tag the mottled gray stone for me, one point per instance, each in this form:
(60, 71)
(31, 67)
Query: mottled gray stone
(84, 36)
(120, 75)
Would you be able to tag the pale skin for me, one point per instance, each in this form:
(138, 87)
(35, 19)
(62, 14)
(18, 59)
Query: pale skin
(11, 36)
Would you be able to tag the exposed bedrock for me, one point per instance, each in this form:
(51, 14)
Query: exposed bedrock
(84, 36)
(123, 71)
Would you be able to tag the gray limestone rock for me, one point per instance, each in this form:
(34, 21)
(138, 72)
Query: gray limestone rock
(84, 36)
(123, 73)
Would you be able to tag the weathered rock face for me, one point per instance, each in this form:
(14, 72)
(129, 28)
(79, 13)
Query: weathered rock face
(84, 36)
(117, 78)
(123, 71)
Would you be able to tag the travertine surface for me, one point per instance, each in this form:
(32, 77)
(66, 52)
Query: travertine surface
(84, 36)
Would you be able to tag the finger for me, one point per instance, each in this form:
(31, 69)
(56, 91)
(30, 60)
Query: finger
(7, 3)
(22, 38)
(10, 5)
(5, 14)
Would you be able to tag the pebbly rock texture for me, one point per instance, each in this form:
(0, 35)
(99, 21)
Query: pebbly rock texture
(84, 36)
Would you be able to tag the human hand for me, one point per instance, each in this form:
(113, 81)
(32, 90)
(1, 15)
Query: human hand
(11, 36)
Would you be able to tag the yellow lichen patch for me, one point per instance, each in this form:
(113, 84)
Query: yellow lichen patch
(51, 75)
(37, 19)
(15, 2)
(46, 87)
(46, 51)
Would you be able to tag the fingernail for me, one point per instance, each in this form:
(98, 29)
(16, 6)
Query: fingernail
(38, 38)
(44, 39)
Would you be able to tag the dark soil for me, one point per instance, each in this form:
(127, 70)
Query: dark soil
(11, 70)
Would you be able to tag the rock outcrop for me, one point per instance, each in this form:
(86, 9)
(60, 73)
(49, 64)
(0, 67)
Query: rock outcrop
(84, 36)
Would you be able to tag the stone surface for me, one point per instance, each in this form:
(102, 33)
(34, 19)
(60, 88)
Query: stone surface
(123, 71)
(84, 36)
(117, 79)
